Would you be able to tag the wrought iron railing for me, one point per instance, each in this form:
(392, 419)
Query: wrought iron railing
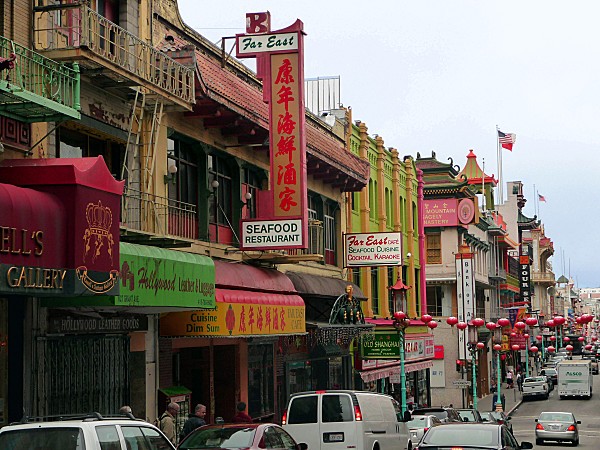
(41, 76)
(542, 276)
(315, 240)
(75, 25)
(150, 213)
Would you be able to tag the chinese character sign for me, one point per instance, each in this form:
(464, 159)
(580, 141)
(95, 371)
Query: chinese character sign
(465, 295)
(286, 145)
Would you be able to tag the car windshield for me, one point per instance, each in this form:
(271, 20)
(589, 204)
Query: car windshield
(235, 437)
(550, 371)
(535, 379)
(52, 437)
(485, 436)
(439, 414)
(556, 417)
(470, 415)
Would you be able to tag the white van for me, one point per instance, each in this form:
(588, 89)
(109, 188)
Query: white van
(342, 420)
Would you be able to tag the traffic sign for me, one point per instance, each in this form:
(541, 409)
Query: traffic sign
(461, 383)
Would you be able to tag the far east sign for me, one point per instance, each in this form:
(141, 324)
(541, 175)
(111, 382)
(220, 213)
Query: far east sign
(283, 221)
(372, 249)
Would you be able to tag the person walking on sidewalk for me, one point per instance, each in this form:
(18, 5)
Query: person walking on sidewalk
(520, 382)
(509, 380)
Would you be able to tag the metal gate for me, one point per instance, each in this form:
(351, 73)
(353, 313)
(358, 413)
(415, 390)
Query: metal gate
(81, 374)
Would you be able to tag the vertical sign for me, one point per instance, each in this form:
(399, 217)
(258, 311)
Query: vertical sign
(280, 63)
(524, 274)
(465, 295)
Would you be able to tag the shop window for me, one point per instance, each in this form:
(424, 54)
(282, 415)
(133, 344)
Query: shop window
(435, 297)
(260, 380)
(375, 290)
(390, 282)
(220, 203)
(330, 233)
(183, 188)
(433, 242)
(303, 410)
(250, 188)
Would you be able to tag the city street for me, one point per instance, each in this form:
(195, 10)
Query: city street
(523, 418)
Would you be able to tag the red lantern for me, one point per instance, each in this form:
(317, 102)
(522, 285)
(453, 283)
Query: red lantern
(461, 325)
(520, 325)
(588, 347)
(533, 349)
(566, 339)
(432, 324)
(531, 321)
(502, 356)
(526, 335)
(579, 320)
(559, 320)
(581, 339)
(497, 347)
(503, 322)
(477, 322)
(551, 349)
(426, 318)
(513, 334)
(551, 323)
(516, 347)
(480, 345)
(552, 338)
(569, 348)
(539, 337)
(399, 315)
(451, 321)
(594, 338)
(491, 326)
(522, 347)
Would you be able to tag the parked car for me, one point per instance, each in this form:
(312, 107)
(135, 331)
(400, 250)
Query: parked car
(90, 432)
(501, 418)
(536, 387)
(445, 414)
(557, 426)
(480, 436)
(342, 419)
(550, 372)
(469, 415)
(249, 436)
(488, 417)
(418, 425)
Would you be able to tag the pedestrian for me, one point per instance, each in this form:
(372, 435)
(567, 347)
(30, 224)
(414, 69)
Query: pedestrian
(520, 382)
(241, 416)
(125, 409)
(194, 420)
(166, 422)
(509, 379)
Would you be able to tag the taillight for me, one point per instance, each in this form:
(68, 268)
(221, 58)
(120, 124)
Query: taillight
(539, 426)
(501, 422)
(320, 392)
(571, 428)
(425, 430)
(357, 414)
(284, 417)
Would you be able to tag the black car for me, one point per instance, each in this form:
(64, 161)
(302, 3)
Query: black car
(480, 436)
(446, 414)
(469, 415)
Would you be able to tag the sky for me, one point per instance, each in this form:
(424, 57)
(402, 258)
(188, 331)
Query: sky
(429, 75)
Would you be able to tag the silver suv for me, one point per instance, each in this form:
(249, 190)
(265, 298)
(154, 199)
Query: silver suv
(89, 432)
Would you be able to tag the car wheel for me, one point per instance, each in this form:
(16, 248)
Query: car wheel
(539, 441)
(576, 442)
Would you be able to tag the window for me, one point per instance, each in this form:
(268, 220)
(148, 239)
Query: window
(435, 296)
(108, 437)
(391, 282)
(330, 233)
(375, 290)
(33, 438)
(303, 410)
(434, 248)
(356, 276)
(250, 185)
(221, 203)
(337, 408)
(143, 438)
(184, 187)
(260, 380)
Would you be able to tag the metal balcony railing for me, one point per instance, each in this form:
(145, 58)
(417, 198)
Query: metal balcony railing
(162, 216)
(315, 240)
(497, 273)
(75, 26)
(37, 89)
(540, 277)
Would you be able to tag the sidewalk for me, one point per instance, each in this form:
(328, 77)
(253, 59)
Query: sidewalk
(513, 399)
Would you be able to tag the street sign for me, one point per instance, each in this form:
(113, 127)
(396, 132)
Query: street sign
(461, 383)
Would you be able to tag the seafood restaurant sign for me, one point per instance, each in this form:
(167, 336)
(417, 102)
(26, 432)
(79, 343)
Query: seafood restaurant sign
(282, 210)
(372, 249)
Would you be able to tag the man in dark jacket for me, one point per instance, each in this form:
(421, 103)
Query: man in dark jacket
(195, 420)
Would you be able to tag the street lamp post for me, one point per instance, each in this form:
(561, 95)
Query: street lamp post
(498, 347)
(400, 323)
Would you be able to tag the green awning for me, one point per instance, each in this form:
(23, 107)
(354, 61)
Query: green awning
(156, 277)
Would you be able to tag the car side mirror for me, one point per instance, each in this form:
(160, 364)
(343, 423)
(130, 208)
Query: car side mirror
(406, 417)
(536, 420)
(579, 422)
(302, 446)
(526, 445)
(508, 418)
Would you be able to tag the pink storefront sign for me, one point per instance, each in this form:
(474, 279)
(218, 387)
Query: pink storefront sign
(440, 212)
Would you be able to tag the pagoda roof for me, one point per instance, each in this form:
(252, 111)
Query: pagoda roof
(474, 173)
(527, 223)
(441, 178)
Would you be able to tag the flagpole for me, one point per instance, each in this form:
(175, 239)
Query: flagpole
(499, 161)
(535, 203)
(483, 183)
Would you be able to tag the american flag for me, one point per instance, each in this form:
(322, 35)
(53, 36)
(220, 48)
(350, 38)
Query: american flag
(541, 198)
(506, 140)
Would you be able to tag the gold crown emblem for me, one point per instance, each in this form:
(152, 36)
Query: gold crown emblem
(99, 219)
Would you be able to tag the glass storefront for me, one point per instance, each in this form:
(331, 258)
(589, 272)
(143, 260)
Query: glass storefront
(261, 402)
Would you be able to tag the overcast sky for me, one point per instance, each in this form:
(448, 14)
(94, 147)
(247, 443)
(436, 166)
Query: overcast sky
(441, 75)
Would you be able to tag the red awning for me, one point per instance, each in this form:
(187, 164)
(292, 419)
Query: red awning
(230, 275)
(257, 298)
(372, 375)
(390, 322)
